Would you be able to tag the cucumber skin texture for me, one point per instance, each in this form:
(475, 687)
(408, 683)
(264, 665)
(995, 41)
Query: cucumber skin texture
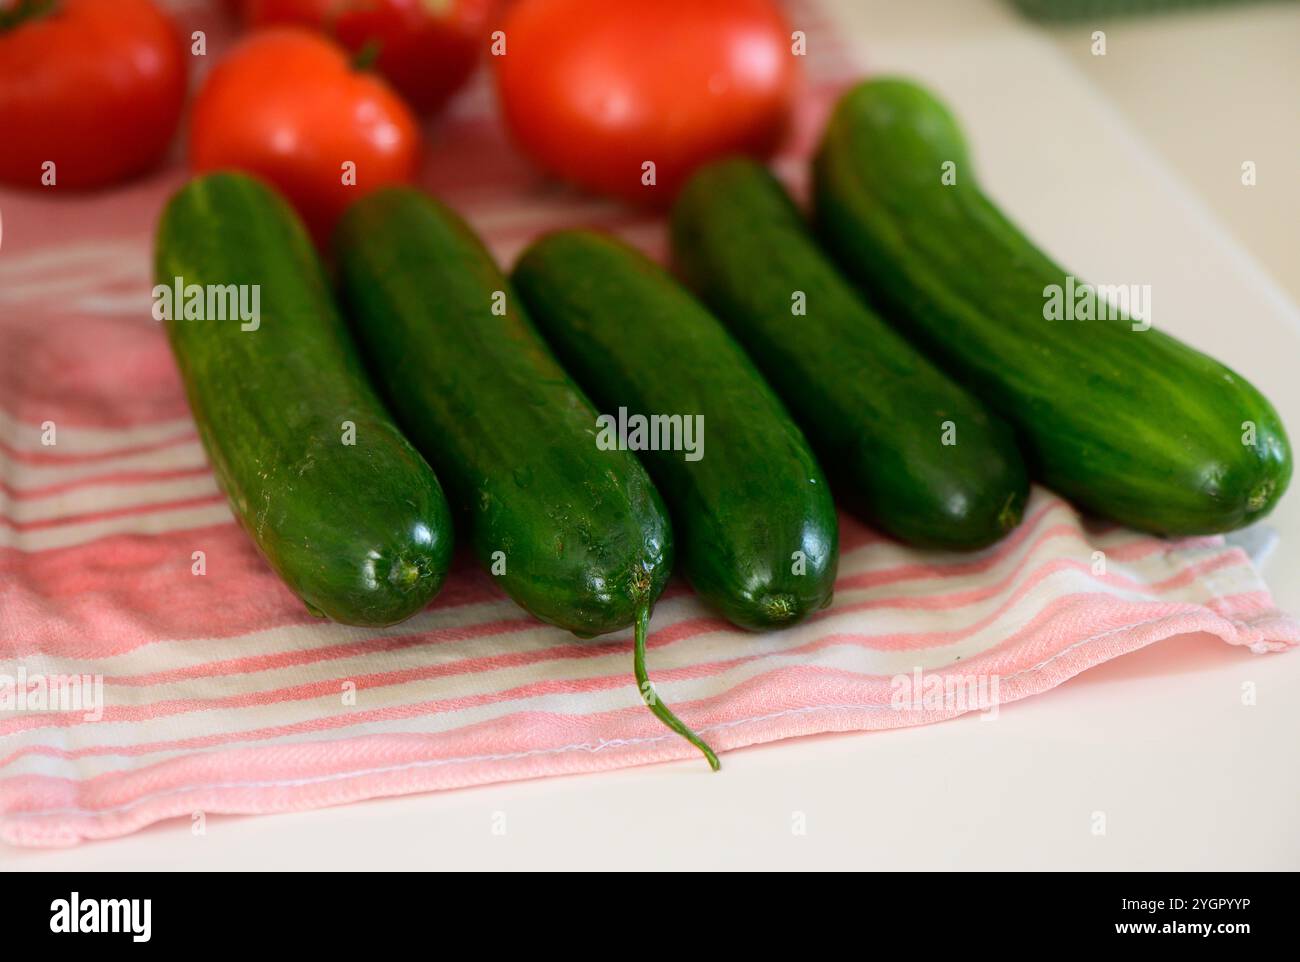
(1133, 426)
(361, 533)
(634, 338)
(585, 533)
(871, 403)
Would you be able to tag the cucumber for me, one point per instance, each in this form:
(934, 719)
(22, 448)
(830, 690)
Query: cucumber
(756, 530)
(577, 535)
(361, 532)
(1130, 424)
(882, 418)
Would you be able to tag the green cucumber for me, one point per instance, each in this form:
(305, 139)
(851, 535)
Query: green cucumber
(1128, 423)
(755, 525)
(909, 449)
(360, 531)
(577, 535)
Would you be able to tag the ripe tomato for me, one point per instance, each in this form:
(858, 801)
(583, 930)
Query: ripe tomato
(96, 86)
(592, 90)
(288, 105)
(427, 48)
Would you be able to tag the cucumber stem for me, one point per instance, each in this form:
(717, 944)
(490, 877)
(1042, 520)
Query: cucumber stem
(651, 697)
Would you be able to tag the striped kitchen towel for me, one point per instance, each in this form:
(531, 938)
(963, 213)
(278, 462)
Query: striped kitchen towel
(197, 682)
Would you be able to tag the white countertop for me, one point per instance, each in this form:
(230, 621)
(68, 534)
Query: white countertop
(1127, 168)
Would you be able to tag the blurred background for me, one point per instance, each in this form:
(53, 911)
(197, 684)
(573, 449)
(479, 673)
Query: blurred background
(1206, 85)
(1209, 84)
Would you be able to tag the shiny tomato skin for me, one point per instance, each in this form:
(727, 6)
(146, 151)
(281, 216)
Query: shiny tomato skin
(287, 104)
(427, 48)
(592, 90)
(96, 86)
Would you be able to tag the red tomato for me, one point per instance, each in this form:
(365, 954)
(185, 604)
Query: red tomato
(427, 48)
(288, 105)
(593, 90)
(96, 86)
